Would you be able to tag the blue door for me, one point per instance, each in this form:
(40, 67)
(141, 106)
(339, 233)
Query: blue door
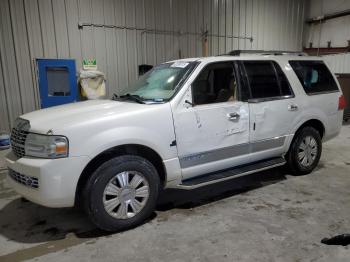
(57, 82)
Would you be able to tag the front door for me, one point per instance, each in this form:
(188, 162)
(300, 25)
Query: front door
(212, 124)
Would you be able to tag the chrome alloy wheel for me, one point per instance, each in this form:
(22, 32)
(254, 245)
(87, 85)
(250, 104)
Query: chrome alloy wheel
(126, 194)
(307, 152)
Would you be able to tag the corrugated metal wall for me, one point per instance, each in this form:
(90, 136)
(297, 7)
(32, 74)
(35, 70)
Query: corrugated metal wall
(340, 63)
(335, 30)
(128, 33)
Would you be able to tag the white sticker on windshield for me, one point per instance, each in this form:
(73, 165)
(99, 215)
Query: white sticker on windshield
(179, 64)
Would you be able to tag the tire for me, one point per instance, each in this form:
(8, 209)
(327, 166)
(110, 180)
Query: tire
(115, 181)
(295, 161)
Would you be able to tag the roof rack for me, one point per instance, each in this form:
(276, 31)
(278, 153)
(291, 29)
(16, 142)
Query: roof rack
(263, 52)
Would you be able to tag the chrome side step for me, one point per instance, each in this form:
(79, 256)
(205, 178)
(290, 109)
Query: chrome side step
(228, 174)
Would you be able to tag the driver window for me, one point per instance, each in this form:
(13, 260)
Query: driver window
(215, 84)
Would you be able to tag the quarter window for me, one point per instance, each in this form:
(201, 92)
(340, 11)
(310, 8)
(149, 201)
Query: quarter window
(314, 76)
(266, 80)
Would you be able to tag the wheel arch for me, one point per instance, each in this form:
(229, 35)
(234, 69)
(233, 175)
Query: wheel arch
(127, 149)
(291, 156)
(315, 123)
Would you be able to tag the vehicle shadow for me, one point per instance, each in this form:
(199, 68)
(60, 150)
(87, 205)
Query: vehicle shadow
(184, 199)
(26, 222)
(346, 123)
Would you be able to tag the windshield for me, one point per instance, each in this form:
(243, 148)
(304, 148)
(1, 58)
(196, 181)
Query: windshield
(161, 82)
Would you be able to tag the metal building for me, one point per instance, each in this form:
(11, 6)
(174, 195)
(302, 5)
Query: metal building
(123, 34)
(339, 63)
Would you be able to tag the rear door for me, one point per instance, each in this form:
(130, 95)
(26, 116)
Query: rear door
(272, 106)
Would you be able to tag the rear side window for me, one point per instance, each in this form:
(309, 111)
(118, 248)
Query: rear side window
(314, 76)
(266, 80)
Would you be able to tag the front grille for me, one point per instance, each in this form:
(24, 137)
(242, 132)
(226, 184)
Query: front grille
(23, 179)
(18, 138)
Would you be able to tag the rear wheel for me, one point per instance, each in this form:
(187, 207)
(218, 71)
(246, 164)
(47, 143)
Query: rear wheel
(121, 193)
(305, 151)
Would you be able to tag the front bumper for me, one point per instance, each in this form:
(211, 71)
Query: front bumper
(57, 178)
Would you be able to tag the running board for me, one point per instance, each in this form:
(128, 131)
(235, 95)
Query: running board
(228, 174)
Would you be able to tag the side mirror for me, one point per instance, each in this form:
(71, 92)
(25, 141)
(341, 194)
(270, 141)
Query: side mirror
(188, 103)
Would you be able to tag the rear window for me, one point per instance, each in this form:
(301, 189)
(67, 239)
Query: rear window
(266, 80)
(314, 76)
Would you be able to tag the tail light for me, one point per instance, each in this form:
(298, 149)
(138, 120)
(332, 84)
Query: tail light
(342, 103)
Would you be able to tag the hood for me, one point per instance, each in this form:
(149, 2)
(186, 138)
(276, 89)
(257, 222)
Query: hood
(59, 118)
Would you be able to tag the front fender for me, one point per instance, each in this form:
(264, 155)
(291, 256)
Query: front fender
(129, 135)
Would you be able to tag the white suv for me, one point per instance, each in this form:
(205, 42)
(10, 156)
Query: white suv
(185, 124)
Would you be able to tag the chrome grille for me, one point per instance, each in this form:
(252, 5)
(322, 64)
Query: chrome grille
(23, 179)
(18, 138)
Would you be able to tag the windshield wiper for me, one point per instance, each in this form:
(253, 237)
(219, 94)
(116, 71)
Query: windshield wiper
(135, 98)
(156, 100)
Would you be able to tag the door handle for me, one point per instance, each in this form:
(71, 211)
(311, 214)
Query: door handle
(293, 107)
(233, 116)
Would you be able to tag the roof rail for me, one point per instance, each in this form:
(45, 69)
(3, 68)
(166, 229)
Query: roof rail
(263, 52)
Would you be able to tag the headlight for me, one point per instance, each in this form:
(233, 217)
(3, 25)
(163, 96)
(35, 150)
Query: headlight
(46, 146)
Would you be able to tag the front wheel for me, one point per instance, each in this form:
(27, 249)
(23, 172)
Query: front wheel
(305, 151)
(121, 193)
